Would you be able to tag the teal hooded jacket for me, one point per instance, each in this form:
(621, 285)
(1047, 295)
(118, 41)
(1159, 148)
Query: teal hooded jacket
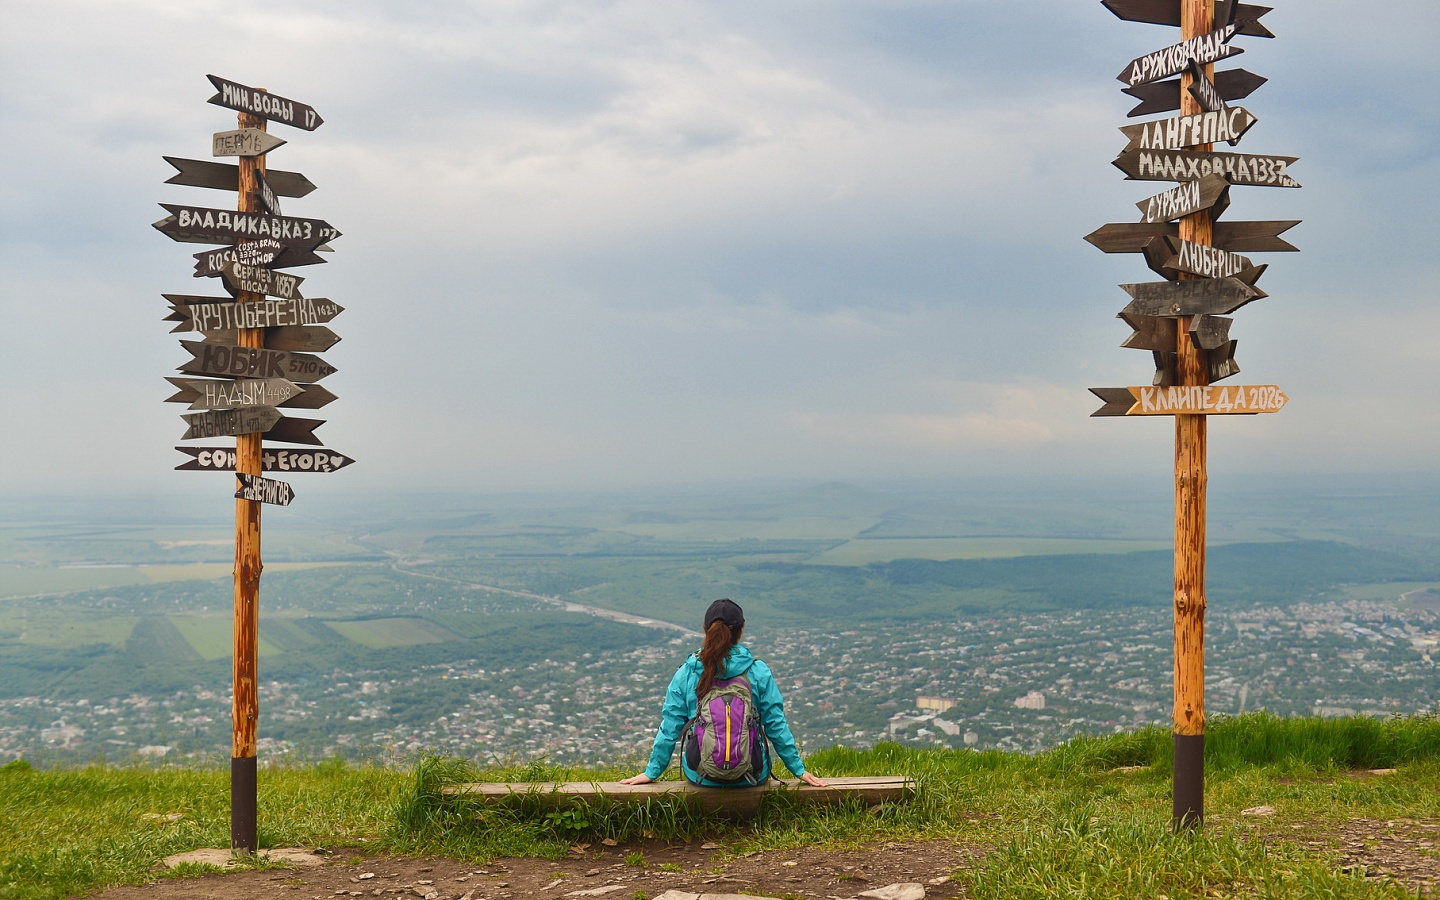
(680, 705)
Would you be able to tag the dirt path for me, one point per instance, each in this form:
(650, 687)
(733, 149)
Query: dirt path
(609, 873)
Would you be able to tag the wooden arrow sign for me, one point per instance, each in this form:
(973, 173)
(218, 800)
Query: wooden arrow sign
(304, 338)
(1180, 132)
(1188, 165)
(217, 313)
(219, 422)
(222, 459)
(1169, 256)
(253, 362)
(263, 490)
(309, 396)
(264, 104)
(1154, 333)
(1197, 400)
(1211, 192)
(266, 194)
(1200, 297)
(253, 279)
(267, 253)
(243, 142)
(226, 177)
(202, 225)
(1164, 96)
(207, 394)
(295, 431)
(1210, 332)
(1222, 362)
(1204, 90)
(1167, 12)
(1237, 237)
(1172, 60)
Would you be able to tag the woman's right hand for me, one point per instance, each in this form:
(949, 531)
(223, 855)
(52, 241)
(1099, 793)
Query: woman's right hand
(642, 778)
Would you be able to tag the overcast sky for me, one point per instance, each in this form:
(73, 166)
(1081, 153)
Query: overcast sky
(595, 244)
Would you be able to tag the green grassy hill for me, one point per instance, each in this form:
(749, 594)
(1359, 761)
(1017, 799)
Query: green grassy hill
(1089, 819)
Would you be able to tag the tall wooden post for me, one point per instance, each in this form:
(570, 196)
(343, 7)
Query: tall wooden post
(246, 703)
(1192, 368)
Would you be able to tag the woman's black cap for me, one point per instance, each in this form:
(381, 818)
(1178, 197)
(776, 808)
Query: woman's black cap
(727, 611)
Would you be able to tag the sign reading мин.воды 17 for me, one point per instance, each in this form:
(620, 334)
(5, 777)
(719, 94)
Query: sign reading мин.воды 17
(274, 107)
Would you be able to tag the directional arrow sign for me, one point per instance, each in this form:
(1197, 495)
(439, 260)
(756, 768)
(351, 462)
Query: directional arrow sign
(1211, 192)
(1189, 131)
(305, 338)
(264, 490)
(235, 394)
(1164, 96)
(226, 177)
(255, 280)
(295, 431)
(202, 225)
(1172, 60)
(1154, 333)
(1237, 237)
(266, 194)
(243, 142)
(1170, 256)
(1222, 362)
(1188, 165)
(264, 104)
(217, 313)
(253, 362)
(1210, 332)
(1197, 400)
(1167, 12)
(1200, 297)
(310, 396)
(222, 459)
(218, 422)
(266, 252)
(1204, 90)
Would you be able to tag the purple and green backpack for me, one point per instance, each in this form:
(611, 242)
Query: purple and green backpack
(724, 741)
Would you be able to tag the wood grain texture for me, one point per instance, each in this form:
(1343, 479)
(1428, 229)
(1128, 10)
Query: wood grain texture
(741, 801)
(226, 177)
(1236, 237)
(1164, 96)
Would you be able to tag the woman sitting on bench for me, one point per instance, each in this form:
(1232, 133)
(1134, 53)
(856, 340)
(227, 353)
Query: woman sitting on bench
(722, 706)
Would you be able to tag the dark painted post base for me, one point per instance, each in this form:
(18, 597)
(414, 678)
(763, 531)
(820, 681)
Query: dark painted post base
(1189, 784)
(242, 805)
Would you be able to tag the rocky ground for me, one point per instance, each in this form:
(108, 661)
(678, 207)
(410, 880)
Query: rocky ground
(1406, 851)
(633, 872)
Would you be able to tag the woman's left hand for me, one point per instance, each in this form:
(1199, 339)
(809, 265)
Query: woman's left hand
(642, 778)
(813, 781)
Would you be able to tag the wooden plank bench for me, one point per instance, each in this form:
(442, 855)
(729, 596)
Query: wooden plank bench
(871, 789)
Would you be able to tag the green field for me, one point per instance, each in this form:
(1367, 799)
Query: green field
(1390, 590)
(213, 636)
(396, 632)
(26, 581)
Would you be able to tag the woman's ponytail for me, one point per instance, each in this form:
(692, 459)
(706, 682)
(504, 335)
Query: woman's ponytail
(718, 641)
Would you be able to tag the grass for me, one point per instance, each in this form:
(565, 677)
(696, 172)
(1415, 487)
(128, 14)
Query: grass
(1089, 819)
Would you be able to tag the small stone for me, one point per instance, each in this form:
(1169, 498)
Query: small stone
(709, 845)
(609, 842)
(426, 881)
(940, 880)
(364, 876)
(790, 863)
(904, 890)
(1258, 811)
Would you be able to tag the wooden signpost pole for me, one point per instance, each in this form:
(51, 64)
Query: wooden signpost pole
(246, 703)
(1197, 17)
